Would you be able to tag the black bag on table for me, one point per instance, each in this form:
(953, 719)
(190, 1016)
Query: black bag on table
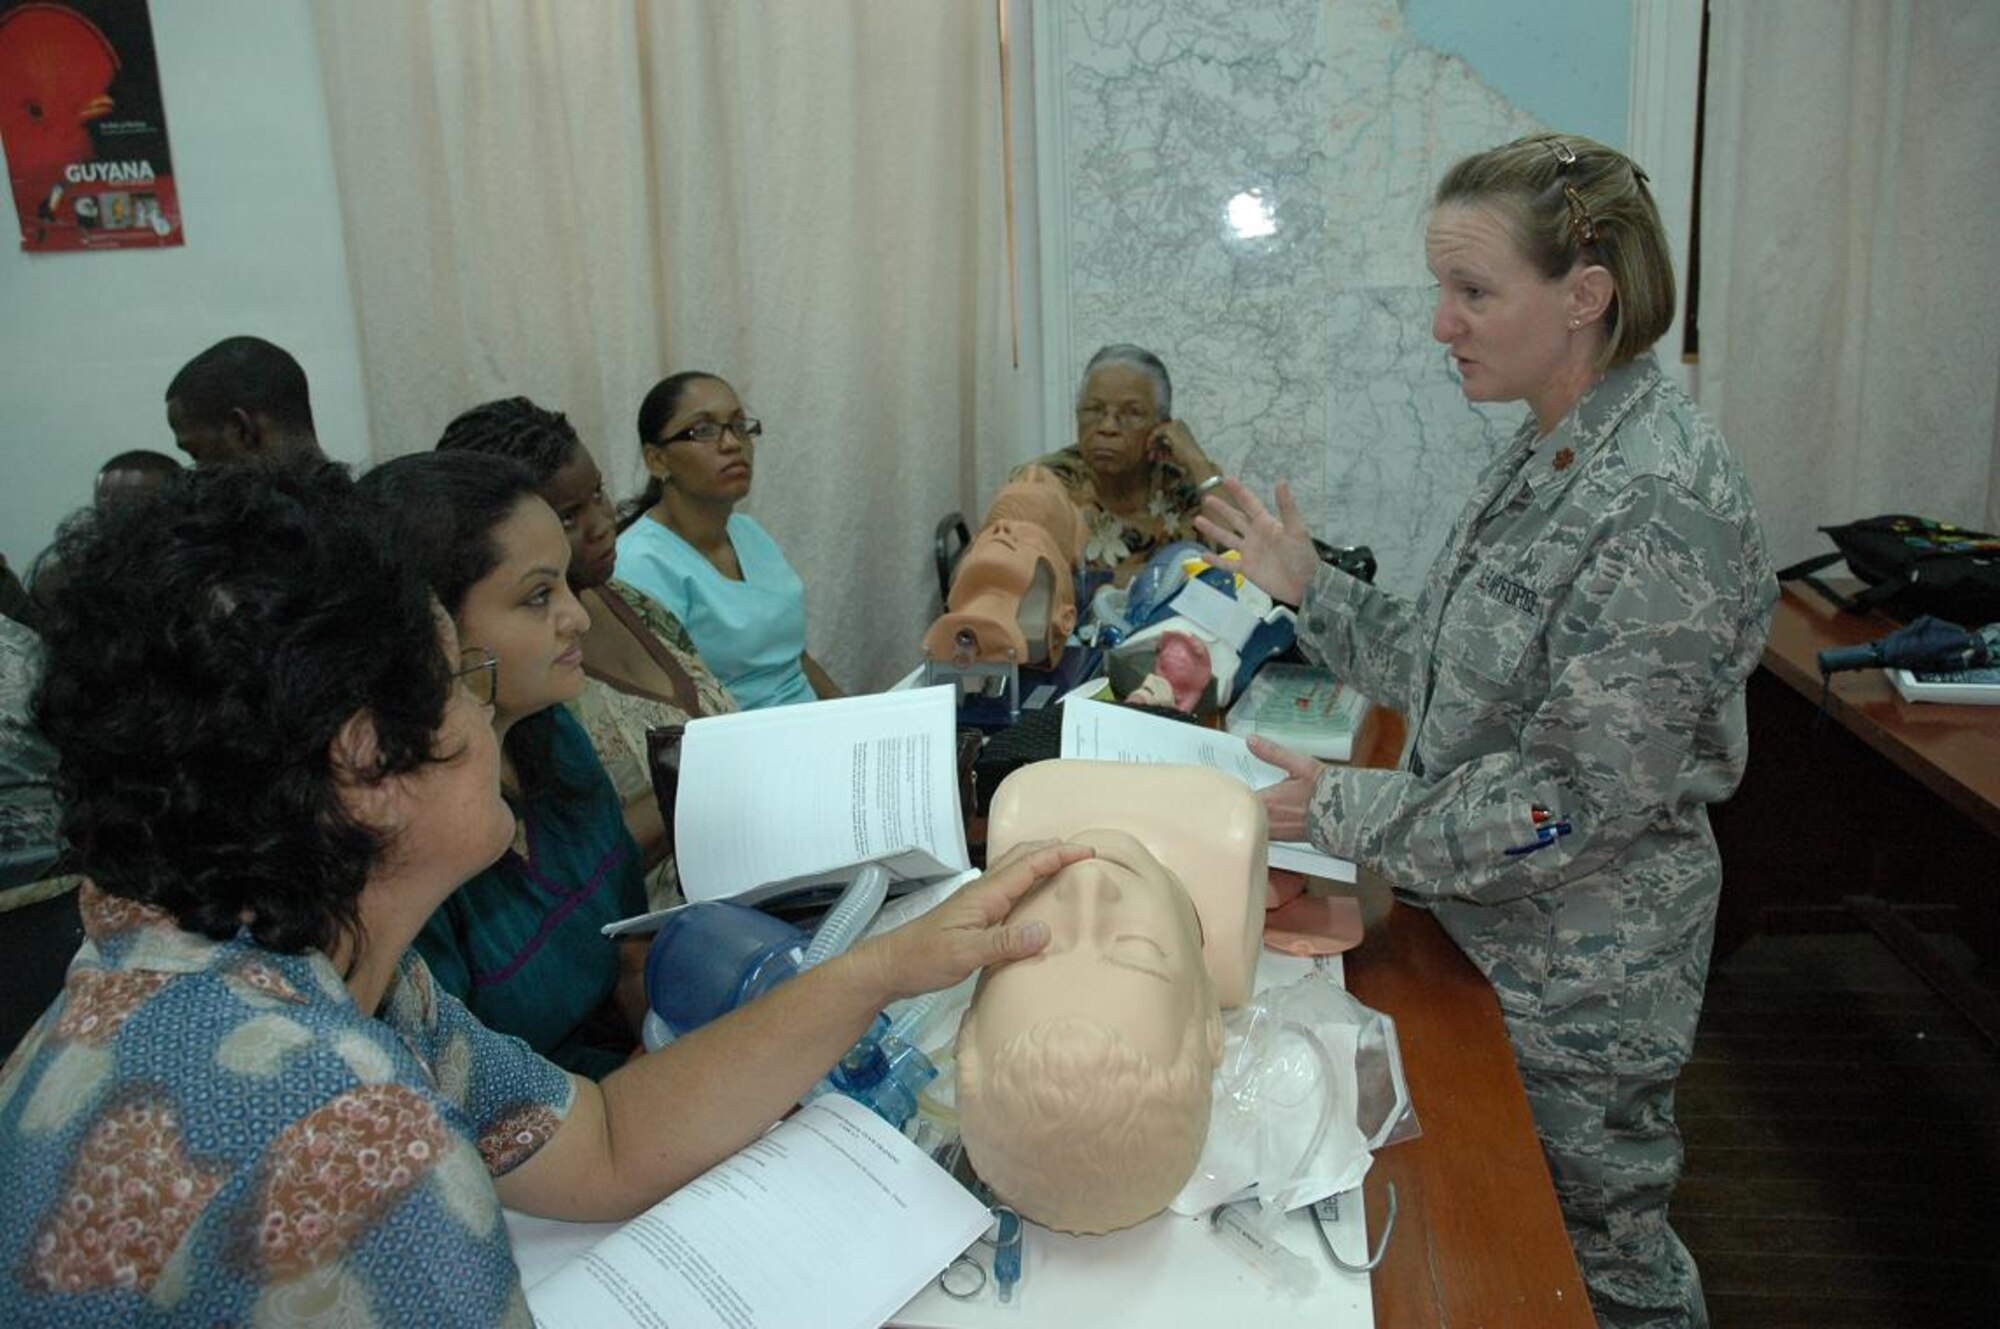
(1912, 566)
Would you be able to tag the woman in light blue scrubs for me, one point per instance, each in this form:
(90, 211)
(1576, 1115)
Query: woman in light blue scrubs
(715, 568)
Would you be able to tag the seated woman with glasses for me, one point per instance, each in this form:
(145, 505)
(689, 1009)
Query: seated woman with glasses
(520, 944)
(250, 1103)
(685, 545)
(1135, 473)
(642, 671)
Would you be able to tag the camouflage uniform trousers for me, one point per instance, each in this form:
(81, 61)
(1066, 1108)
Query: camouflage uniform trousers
(1614, 1154)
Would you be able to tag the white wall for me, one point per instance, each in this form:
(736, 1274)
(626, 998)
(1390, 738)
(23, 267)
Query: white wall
(88, 341)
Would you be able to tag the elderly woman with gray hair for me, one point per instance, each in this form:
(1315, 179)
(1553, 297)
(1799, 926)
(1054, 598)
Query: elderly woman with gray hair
(1135, 473)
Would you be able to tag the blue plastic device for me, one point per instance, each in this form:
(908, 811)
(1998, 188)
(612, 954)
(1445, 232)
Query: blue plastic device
(710, 958)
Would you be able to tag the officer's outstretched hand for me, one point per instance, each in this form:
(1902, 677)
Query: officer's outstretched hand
(1277, 551)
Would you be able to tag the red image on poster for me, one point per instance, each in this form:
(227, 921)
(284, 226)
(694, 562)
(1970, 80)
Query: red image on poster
(83, 127)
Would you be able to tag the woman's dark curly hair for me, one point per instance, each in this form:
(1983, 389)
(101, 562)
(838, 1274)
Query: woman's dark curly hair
(207, 650)
(542, 440)
(445, 507)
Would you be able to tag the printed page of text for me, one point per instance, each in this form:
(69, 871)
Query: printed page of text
(832, 1219)
(1102, 731)
(795, 792)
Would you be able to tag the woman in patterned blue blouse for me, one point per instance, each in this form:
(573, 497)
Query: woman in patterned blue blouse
(251, 1103)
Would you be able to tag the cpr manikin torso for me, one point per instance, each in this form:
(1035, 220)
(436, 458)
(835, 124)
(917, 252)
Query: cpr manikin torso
(1013, 595)
(1084, 1072)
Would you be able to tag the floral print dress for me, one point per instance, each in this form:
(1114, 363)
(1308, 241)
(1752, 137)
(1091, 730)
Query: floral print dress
(1117, 547)
(210, 1132)
(617, 721)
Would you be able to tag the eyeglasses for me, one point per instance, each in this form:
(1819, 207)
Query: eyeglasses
(479, 669)
(1127, 417)
(1580, 219)
(708, 431)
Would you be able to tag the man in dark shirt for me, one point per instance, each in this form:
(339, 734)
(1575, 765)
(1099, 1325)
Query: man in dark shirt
(243, 400)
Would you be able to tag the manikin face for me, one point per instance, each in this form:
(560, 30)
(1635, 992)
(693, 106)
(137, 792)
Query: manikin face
(1040, 500)
(1007, 595)
(717, 470)
(998, 561)
(1115, 415)
(1124, 951)
(1506, 325)
(525, 613)
(576, 492)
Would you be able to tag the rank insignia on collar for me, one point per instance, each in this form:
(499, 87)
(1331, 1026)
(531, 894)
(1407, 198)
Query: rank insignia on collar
(1563, 458)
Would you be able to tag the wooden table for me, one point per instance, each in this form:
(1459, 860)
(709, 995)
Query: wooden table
(1878, 812)
(1954, 751)
(1479, 1239)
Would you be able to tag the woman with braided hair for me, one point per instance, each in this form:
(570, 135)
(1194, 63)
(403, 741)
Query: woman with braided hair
(641, 669)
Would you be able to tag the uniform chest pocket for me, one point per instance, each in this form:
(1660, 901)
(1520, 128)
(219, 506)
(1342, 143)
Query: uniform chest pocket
(1493, 623)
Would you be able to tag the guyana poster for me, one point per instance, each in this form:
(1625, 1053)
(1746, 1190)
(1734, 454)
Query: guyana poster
(83, 127)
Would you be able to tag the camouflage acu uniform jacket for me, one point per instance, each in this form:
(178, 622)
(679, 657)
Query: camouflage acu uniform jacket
(1581, 644)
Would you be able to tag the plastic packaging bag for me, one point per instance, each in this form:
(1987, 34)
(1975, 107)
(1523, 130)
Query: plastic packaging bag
(1310, 1083)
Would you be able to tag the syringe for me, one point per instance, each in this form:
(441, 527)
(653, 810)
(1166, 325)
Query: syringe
(1285, 1269)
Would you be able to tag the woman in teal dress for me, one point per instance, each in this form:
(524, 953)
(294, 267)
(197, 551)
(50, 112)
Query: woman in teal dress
(684, 543)
(520, 943)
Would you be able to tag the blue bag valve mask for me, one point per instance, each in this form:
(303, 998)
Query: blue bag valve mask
(709, 958)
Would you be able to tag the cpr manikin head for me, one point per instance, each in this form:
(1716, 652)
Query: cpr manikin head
(1084, 1071)
(1014, 592)
(1037, 497)
(1207, 827)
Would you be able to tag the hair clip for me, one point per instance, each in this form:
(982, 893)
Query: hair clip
(1580, 219)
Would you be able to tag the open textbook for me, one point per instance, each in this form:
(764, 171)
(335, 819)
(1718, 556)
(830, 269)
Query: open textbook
(774, 800)
(1100, 731)
(832, 1219)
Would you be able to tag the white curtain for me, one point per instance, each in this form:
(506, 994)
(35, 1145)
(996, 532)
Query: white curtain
(1850, 349)
(570, 201)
